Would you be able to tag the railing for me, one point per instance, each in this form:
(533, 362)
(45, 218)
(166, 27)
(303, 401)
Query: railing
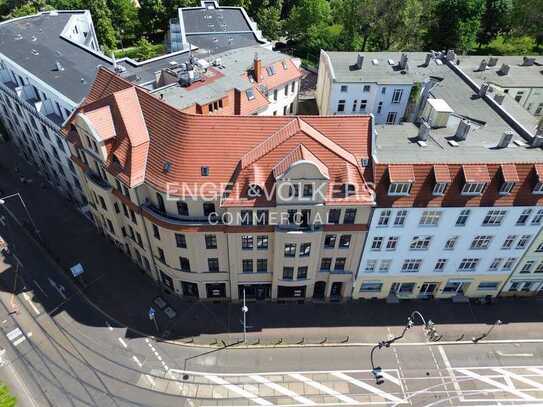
(200, 220)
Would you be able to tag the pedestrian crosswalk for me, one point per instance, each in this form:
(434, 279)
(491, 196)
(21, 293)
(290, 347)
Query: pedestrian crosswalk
(16, 336)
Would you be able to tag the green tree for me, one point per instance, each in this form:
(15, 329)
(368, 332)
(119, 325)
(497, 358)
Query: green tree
(455, 24)
(358, 19)
(144, 49)
(268, 19)
(101, 16)
(153, 16)
(527, 18)
(124, 16)
(496, 19)
(24, 10)
(307, 14)
(6, 399)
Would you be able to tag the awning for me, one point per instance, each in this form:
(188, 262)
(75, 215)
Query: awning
(442, 174)
(401, 173)
(476, 173)
(509, 173)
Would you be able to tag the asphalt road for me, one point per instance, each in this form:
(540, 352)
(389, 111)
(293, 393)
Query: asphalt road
(62, 351)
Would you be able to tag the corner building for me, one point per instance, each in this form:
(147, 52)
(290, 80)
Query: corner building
(278, 208)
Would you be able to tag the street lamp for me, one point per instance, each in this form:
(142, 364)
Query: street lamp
(244, 309)
(429, 326)
(494, 325)
(18, 195)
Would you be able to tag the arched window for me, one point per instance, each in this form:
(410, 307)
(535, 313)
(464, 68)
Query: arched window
(160, 202)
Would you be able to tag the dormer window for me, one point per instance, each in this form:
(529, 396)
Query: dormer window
(510, 178)
(204, 170)
(476, 177)
(538, 189)
(270, 70)
(348, 189)
(250, 94)
(401, 179)
(308, 191)
(293, 191)
(442, 178)
(439, 189)
(399, 188)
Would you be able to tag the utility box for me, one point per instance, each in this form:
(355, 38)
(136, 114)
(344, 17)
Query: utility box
(436, 113)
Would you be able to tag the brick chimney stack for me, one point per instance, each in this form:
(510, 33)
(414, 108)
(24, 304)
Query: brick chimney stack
(257, 67)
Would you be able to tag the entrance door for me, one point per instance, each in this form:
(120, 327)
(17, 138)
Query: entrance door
(319, 290)
(336, 289)
(428, 289)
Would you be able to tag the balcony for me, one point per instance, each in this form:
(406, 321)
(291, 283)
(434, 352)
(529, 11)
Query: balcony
(98, 181)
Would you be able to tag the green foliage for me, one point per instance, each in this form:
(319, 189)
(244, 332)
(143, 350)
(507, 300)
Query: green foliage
(496, 19)
(504, 45)
(144, 49)
(152, 14)
(141, 51)
(6, 399)
(24, 10)
(101, 16)
(306, 15)
(124, 17)
(268, 18)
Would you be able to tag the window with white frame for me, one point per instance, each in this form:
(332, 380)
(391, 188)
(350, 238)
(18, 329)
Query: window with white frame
(366, 88)
(509, 263)
(399, 188)
(538, 188)
(420, 242)
(539, 268)
(506, 188)
(539, 248)
(538, 217)
(523, 218)
(494, 217)
(473, 188)
(440, 265)
(355, 105)
(508, 242)
(377, 243)
(384, 217)
(399, 220)
(430, 218)
(391, 117)
(463, 217)
(488, 286)
(363, 105)
(439, 188)
(450, 244)
(468, 264)
(370, 266)
(341, 106)
(392, 243)
(344, 88)
(481, 242)
(527, 267)
(495, 265)
(523, 241)
(371, 286)
(411, 265)
(384, 266)
(397, 95)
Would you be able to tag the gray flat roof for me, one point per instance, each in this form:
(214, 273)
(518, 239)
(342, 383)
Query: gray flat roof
(219, 42)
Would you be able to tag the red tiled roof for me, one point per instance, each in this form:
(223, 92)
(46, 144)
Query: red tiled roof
(442, 174)
(102, 121)
(509, 173)
(401, 173)
(476, 173)
(539, 172)
(298, 154)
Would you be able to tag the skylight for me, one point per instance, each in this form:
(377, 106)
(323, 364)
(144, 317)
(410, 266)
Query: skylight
(270, 70)
(250, 94)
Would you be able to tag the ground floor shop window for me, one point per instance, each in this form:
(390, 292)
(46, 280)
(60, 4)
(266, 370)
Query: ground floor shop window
(291, 292)
(189, 289)
(167, 280)
(216, 290)
(255, 291)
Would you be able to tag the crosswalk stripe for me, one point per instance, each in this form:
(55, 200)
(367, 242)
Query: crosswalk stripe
(368, 387)
(19, 341)
(391, 378)
(14, 334)
(519, 378)
(282, 390)
(239, 390)
(497, 384)
(323, 388)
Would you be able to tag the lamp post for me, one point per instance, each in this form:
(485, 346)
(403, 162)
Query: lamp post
(429, 326)
(18, 195)
(244, 309)
(494, 325)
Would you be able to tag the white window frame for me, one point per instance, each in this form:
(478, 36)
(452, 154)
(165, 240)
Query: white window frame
(524, 216)
(384, 217)
(463, 217)
(494, 217)
(523, 241)
(440, 265)
(397, 95)
(495, 265)
(538, 217)
(539, 248)
(506, 188)
(468, 264)
(377, 243)
(367, 287)
(491, 286)
(384, 266)
(399, 219)
(538, 189)
(399, 188)
(430, 218)
(391, 117)
(439, 188)
(527, 267)
(370, 267)
(420, 243)
(411, 265)
(450, 244)
(473, 188)
(509, 263)
(392, 243)
(509, 242)
(481, 242)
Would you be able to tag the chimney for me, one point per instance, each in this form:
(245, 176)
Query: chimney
(506, 138)
(492, 61)
(528, 61)
(424, 131)
(451, 55)
(359, 61)
(403, 61)
(504, 70)
(483, 89)
(499, 97)
(114, 62)
(428, 59)
(482, 66)
(257, 67)
(463, 130)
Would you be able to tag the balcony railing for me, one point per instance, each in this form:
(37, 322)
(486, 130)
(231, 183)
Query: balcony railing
(188, 221)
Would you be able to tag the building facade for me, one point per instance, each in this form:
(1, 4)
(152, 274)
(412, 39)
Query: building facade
(278, 206)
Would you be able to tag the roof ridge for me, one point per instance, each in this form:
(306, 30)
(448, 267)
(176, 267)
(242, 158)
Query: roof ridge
(304, 153)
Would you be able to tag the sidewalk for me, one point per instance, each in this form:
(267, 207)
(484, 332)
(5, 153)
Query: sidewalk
(120, 288)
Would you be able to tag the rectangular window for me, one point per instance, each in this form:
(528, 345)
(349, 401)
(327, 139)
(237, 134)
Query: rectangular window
(523, 241)
(371, 287)
(451, 243)
(539, 248)
(366, 88)
(538, 189)
(399, 220)
(392, 242)
(161, 256)
(326, 263)
(439, 188)
(384, 217)
(508, 265)
(247, 242)
(506, 188)
(384, 266)
(527, 267)
(302, 273)
(411, 265)
(290, 249)
(211, 241)
(471, 188)
(523, 218)
(379, 107)
(330, 241)
(377, 243)
(355, 103)
(536, 220)
(440, 265)
(334, 215)
(305, 249)
(508, 242)
(184, 264)
(468, 264)
(495, 265)
(246, 218)
(391, 118)
(180, 241)
(397, 95)
(363, 105)
(182, 208)
(262, 265)
(344, 88)
(420, 242)
(430, 218)
(399, 188)
(494, 217)
(213, 265)
(480, 242)
(350, 216)
(345, 241)
(156, 232)
(340, 264)
(488, 286)
(308, 191)
(341, 106)
(247, 265)
(539, 268)
(262, 242)
(288, 273)
(370, 266)
(463, 217)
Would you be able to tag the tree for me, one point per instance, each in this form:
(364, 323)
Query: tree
(306, 14)
(101, 16)
(6, 399)
(496, 19)
(144, 49)
(24, 10)
(455, 24)
(124, 16)
(358, 20)
(527, 19)
(268, 19)
(153, 15)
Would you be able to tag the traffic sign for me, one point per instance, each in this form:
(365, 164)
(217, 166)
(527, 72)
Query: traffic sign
(77, 270)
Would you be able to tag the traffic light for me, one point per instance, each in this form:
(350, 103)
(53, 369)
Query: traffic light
(378, 374)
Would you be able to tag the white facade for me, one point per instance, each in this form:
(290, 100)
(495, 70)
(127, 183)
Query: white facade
(283, 100)
(530, 99)
(469, 251)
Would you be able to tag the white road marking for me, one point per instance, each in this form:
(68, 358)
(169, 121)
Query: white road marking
(282, 390)
(14, 334)
(151, 380)
(519, 378)
(369, 387)
(39, 287)
(123, 342)
(19, 341)
(135, 359)
(497, 384)
(323, 388)
(60, 288)
(239, 390)
(450, 370)
(522, 355)
(31, 303)
(109, 326)
(391, 378)
(536, 370)
(17, 259)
